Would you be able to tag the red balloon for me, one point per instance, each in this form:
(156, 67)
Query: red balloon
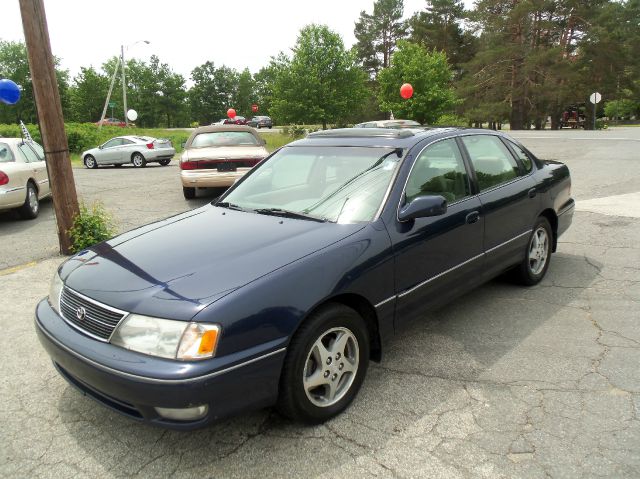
(231, 113)
(406, 91)
(254, 108)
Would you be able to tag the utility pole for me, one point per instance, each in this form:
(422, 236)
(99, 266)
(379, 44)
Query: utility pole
(124, 86)
(47, 96)
(106, 103)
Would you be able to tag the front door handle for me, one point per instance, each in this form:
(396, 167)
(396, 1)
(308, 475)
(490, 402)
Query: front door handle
(473, 217)
(532, 193)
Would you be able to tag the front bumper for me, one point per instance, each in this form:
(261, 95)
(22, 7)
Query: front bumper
(134, 384)
(211, 178)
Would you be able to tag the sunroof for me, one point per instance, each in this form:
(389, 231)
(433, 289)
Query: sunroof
(362, 133)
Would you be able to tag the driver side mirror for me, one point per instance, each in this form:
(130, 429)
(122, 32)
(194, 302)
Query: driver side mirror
(101, 147)
(184, 143)
(423, 207)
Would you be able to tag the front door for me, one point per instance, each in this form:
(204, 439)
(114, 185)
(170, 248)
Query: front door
(508, 197)
(110, 152)
(437, 257)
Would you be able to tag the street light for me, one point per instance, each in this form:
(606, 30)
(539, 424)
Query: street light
(124, 83)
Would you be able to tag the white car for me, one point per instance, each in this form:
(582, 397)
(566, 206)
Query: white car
(138, 150)
(23, 176)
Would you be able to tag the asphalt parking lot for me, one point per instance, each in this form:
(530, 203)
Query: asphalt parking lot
(505, 382)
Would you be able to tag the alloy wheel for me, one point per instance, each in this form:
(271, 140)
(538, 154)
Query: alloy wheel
(538, 250)
(331, 367)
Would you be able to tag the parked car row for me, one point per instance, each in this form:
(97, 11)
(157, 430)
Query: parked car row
(256, 122)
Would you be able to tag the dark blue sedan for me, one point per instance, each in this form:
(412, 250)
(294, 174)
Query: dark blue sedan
(282, 290)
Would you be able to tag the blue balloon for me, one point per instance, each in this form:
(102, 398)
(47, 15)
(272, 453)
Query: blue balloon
(9, 92)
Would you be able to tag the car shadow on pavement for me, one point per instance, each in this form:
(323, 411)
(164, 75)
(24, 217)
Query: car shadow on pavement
(11, 222)
(495, 337)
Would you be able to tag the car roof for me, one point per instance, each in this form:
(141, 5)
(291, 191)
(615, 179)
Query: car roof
(386, 137)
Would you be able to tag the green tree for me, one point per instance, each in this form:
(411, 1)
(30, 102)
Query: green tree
(377, 33)
(244, 95)
(212, 93)
(87, 95)
(430, 75)
(439, 27)
(14, 65)
(321, 83)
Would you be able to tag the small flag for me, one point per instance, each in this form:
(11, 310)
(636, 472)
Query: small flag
(25, 132)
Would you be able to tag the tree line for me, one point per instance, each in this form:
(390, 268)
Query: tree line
(504, 61)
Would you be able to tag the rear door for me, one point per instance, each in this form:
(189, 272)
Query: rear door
(34, 155)
(437, 257)
(508, 197)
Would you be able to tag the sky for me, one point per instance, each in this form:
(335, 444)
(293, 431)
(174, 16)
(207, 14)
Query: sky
(187, 33)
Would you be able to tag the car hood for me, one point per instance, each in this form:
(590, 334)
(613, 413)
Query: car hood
(226, 152)
(176, 267)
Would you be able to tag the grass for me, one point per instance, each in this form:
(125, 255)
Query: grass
(274, 141)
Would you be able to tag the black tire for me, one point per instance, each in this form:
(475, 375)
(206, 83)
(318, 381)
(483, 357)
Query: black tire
(269, 127)
(31, 207)
(293, 400)
(138, 160)
(530, 272)
(188, 192)
(90, 162)
(164, 162)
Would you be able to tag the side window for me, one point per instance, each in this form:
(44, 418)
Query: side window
(28, 153)
(439, 170)
(113, 142)
(126, 142)
(491, 159)
(38, 149)
(5, 153)
(520, 153)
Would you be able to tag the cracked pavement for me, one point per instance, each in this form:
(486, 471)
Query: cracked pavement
(505, 382)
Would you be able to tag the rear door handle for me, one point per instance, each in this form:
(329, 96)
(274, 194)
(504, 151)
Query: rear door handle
(473, 217)
(532, 193)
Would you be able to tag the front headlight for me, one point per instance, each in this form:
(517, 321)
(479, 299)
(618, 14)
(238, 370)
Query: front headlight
(167, 338)
(55, 290)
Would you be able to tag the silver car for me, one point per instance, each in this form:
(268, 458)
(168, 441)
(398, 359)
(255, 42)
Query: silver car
(23, 176)
(137, 150)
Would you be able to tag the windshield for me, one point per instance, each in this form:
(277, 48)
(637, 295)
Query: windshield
(339, 184)
(224, 138)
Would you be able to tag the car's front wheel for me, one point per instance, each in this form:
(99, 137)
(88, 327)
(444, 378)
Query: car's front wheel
(325, 365)
(90, 162)
(138, 160)
(538, 254)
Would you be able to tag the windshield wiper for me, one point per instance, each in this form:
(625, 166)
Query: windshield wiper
(289, 214)
(231, 206)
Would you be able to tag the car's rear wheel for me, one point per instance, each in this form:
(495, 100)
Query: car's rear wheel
(188, 192)
(325, 365)
(138, 160)
(31, 207)
(165, 162)
(90, 162)
(538, 254)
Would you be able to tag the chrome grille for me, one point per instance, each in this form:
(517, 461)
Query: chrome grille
(95, 319)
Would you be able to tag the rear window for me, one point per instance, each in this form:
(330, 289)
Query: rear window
(224, 138)
(5, 153)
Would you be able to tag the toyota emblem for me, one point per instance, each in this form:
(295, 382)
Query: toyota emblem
(81, 313)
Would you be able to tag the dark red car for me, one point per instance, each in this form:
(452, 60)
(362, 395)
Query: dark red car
(112, 122)
(238, 120)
